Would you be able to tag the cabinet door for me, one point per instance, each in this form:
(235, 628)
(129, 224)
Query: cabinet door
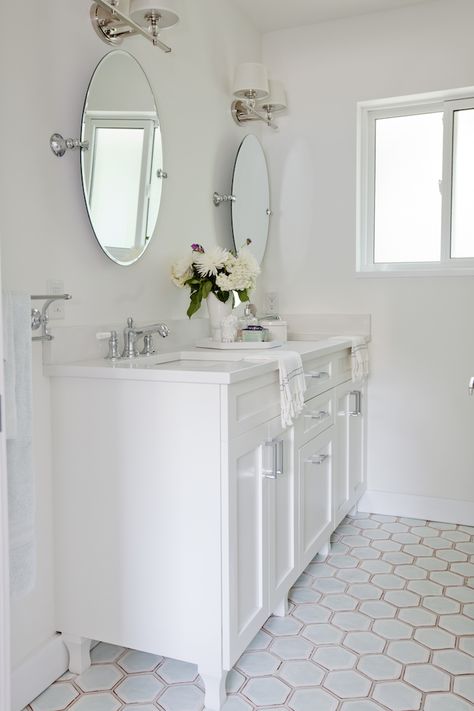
(315, 471)
(349, 476)
(245, 540)
(341, 470)
(281, 511)
(356, 442)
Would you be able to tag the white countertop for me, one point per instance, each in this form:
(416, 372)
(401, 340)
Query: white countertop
(196, 365)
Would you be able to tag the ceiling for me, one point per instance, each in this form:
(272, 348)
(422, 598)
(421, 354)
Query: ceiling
(270, 15)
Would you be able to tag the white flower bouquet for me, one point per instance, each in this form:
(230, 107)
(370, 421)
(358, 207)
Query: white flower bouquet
(217, 271)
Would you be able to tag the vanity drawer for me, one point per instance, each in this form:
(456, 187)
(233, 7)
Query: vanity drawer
(251, 402)
(317, 416)
(344, 366)
(326, 372)
(319, 373)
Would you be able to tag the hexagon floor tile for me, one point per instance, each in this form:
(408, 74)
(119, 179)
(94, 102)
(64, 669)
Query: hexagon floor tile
(386, 621)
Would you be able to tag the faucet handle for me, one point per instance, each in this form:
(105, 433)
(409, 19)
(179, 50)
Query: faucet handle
(471, 386)
(130, 322)
(148, 347)
(113, 353)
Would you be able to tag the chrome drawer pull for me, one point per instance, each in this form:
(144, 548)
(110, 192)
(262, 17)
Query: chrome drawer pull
(321, 415)
(319, 459)
(317, 375)
(276, 453)
(358, 400)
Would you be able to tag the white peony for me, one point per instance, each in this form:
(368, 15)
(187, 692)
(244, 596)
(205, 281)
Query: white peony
(242, 273)
(182, 270)
(247, 262)
(237, 280)
(209, 263)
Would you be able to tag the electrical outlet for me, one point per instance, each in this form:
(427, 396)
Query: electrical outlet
(270, 303)
(56, 310)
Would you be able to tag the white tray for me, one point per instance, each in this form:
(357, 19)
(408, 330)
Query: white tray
(238, 345)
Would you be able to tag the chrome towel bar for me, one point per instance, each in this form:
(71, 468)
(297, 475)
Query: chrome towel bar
(39, 319)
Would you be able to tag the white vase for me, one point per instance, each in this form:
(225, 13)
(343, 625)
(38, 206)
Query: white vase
(218, 310)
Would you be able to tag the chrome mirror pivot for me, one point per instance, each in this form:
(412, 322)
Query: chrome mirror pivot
(218, 198)
(60, 145)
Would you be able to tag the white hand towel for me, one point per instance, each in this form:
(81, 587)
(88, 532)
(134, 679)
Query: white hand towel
(19, 412)
(9, 366)
(292, 382)
(360, 359)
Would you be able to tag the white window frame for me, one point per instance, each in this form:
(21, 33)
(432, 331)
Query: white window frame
(367, 114)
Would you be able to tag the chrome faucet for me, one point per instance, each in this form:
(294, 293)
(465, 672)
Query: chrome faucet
(471, 386)
(131, 334)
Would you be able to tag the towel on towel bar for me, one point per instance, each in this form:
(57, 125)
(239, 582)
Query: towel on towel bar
(292, 382)
(18, 416)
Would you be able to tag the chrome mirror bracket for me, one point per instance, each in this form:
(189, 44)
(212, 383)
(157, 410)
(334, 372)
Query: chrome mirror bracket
(60, 145)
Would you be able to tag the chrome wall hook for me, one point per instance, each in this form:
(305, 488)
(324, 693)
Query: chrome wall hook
(60, 145)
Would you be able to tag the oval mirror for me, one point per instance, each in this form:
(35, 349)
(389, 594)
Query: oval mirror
(122, 170)
(250, 187)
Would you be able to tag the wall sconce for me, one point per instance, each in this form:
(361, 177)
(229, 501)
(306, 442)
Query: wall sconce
(256, 97)
(112, 25)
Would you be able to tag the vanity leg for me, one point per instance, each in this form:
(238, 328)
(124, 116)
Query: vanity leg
(214, 689)
(325, 550)
(79, 649)
(281, 609)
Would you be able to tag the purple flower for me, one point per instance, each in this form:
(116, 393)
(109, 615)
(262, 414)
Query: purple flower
(197, 248)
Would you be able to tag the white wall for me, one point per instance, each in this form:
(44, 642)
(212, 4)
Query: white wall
(421, 419)
(46, 66)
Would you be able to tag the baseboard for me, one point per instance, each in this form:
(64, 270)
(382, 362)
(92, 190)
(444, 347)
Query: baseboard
(38, 671)
(422, 507)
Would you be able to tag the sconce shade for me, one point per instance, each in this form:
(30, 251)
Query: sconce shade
(251, 77)
(276, 100)
(140, 11)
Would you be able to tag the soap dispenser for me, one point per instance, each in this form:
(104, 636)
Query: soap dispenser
(250, 313)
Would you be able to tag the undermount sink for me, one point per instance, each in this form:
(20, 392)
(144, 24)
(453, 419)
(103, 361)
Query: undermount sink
(191, 359)
(201, 364)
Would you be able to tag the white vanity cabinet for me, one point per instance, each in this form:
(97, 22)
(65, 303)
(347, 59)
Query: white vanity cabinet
(184, 511)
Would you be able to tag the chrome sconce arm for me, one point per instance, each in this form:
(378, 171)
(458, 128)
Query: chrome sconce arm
(112, 25)
(244, 111)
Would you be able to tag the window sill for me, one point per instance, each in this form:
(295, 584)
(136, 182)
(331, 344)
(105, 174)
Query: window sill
(391, 271)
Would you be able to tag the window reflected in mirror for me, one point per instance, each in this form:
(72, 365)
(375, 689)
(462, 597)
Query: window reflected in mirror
(122, 172)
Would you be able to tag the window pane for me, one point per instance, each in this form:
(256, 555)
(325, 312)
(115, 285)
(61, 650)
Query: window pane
(408, 170)
(462, 235)
(116, 185)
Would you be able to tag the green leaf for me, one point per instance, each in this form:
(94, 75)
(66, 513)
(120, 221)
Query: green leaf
(243, 295)
(196, 300)
(206, 289)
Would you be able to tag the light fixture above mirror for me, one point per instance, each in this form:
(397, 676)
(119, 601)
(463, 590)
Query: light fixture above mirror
(112, 23)
(256, 98)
